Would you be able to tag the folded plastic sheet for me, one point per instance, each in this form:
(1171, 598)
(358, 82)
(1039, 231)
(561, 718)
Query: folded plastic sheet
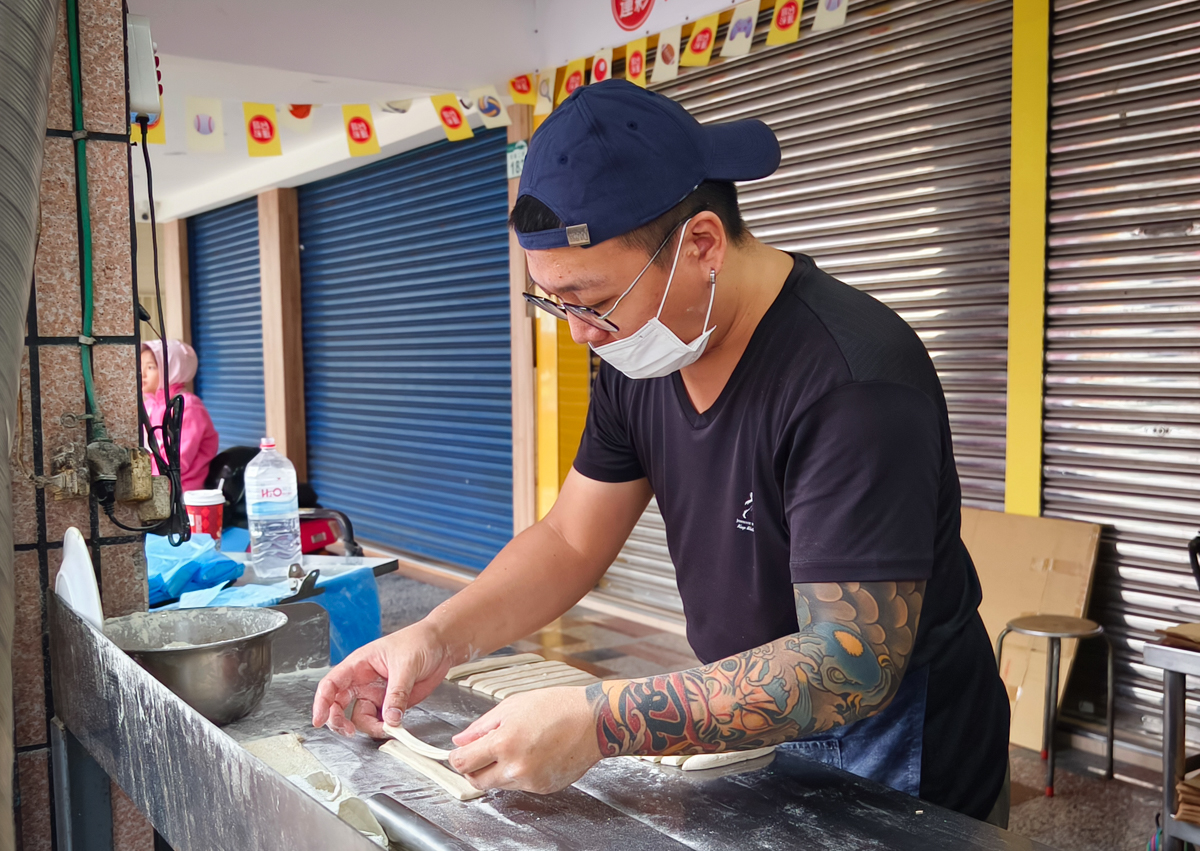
(194, 565)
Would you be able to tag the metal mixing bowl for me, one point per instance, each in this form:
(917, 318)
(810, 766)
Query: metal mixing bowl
(217, 660)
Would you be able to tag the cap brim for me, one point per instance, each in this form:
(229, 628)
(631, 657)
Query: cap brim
(741, 150)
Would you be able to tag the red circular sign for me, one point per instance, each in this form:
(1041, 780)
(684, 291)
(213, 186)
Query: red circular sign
(359, 129)
(451, 117)
(574, 81)
(635, 64)
(631, 14)
(701, 40)
(599, 71)
(262, 129)
(787, 15)
(522, 84)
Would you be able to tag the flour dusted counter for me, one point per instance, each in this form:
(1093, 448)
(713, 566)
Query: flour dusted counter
(204, 792)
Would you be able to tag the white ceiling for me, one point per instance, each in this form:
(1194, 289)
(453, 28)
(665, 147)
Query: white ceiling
(352, 51)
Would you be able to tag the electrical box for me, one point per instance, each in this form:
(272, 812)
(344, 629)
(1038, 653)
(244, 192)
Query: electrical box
(144, 90)
(134, 479)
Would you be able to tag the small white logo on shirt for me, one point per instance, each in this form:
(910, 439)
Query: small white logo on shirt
(745, 522)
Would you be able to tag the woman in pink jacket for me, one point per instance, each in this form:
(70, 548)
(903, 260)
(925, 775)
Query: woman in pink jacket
(198, 437)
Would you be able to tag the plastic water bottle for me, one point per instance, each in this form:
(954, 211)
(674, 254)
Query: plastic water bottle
(273, 511)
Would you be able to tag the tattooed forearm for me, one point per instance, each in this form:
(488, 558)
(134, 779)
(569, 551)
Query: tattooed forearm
(845, 663)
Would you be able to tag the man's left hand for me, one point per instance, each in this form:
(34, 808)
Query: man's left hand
(540, 741)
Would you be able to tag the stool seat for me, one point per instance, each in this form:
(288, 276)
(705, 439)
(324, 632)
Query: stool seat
(1055, 626)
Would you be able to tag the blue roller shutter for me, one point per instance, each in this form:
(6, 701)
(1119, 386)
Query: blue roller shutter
(227, 320)
(404, 268)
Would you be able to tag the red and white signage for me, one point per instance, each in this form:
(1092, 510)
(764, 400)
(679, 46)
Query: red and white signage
(630, 15)
(602, 65)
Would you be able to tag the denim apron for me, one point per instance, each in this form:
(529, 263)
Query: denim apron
(886, 747)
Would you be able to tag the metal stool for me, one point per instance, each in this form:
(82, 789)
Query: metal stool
(1055, 628)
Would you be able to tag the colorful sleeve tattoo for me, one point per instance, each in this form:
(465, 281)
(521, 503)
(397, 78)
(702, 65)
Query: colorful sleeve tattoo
(845, 663)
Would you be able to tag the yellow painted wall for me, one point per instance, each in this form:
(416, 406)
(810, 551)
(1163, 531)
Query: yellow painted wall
(1027, 257)
(562, 400)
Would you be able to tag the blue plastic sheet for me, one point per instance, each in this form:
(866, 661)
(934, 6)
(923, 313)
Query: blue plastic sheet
(352, 600)
(193, 565)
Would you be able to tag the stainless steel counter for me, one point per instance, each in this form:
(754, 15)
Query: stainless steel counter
(203, 791)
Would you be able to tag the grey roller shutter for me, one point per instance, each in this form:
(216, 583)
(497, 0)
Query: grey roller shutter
(226, 302)
(404, 290)
(895, 178)
(1122, 429)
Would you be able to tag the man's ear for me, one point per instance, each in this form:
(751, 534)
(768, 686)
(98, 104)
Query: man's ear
(708, 234)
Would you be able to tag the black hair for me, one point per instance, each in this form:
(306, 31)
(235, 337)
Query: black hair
(530, 215)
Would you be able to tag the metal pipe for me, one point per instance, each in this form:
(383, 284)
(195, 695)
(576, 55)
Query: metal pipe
(26, 49)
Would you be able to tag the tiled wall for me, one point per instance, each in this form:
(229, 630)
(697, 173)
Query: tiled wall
(51, 385)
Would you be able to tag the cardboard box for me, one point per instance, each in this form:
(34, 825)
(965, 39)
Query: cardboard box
(1030, 566)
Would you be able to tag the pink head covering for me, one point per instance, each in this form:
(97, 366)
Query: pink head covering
(180, 356)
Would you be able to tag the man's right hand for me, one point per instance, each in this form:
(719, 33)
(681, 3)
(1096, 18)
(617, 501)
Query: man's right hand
(381, 679)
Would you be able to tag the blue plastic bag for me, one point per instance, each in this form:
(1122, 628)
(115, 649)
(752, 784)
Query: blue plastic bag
(193, 565)
(351, 598)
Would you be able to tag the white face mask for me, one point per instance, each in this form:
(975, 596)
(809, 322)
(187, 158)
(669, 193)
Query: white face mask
(653, 350)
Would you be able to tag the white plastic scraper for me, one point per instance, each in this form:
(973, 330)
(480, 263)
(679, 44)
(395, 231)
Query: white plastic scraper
(76, 583)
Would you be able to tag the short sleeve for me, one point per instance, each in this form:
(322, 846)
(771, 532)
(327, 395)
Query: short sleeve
(861, 485)
(606, 451)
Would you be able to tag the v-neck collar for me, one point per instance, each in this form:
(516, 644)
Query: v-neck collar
(745, 362)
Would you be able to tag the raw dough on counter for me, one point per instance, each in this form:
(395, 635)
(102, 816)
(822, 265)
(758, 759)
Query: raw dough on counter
(452, 782)
(573, 678)
(699, 762)
(478, 681)
(492, 686)
(491, 663)
(287, 755)
(416, 745)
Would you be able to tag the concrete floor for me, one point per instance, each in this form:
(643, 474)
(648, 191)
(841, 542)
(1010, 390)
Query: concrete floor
(1087, 812)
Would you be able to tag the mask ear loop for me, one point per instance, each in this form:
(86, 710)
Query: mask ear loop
(712, 293)
(674, 263)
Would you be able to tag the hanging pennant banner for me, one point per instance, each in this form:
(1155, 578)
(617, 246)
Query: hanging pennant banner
(205, 127)
(523, 89)
(666, 63)
(491, 110)
(360, 129)
(635, 62)
(699, 47)
(785, 23)
(543, 106)
(602, 65)
(572, 79)
(450, 113)
(741, 30)
(831, 14)
(262, 130)
(156, 131)
(297, 117)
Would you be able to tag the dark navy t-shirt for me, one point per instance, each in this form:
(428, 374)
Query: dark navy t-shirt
(826, 458)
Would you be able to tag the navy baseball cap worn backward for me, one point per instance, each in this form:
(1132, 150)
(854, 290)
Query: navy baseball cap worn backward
(615, 157)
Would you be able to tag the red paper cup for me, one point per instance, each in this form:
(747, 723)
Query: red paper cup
(206, 510)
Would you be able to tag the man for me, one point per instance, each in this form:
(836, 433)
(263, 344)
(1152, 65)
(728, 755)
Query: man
(796, 437)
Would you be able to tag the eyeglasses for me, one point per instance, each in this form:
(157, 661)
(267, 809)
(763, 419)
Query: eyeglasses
(596, 319)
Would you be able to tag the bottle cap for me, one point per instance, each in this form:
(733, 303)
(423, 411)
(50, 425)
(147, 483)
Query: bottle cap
(267, 443)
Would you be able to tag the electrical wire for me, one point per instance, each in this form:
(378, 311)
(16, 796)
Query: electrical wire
(166, 435)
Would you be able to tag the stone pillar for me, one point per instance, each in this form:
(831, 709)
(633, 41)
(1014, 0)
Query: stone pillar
(52, 385)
